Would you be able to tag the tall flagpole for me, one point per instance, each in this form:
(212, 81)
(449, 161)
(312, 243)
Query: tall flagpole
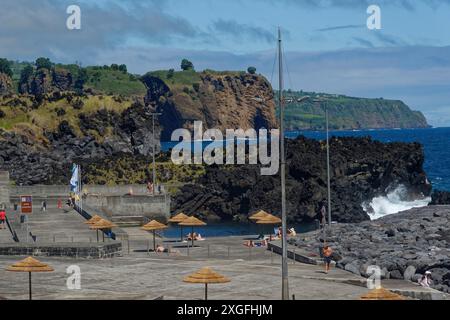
(328, 171)
(284, 264)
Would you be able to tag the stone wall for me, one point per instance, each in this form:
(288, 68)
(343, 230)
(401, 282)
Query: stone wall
(73, 250)
(4, 188)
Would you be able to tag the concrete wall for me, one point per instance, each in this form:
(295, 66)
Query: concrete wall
(115, 199)
(64, 190)
(4, 188)
(74, 250)
(132, 206)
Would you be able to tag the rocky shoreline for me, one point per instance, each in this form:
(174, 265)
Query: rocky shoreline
(362, 169)
(404, 245)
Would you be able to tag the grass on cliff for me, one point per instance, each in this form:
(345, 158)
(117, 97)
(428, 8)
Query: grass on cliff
(114, 82)
(178, 79)
(46, 118)
(181, 79)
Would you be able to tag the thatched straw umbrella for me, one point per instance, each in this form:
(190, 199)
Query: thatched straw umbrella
(382, 294)
(153, 226)
(180, 217)
(29, 265)
(192, 222)
(269, 220)
(102, 224)
(206, 275)
(93, 220)
(259, 215)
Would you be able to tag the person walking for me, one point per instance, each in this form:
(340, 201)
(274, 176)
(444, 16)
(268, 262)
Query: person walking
(2, 218)
(327, 253)
(44, 206)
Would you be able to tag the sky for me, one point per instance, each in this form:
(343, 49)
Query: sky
(327, 45)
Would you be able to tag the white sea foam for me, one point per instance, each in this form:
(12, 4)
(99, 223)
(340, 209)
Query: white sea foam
(393, 203)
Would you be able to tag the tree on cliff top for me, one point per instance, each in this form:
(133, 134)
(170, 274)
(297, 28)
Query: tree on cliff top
(43, 63)
(25, 75)
(80, 80)
(251, 70)
(5, 67)
(187, 65)
(123, 68)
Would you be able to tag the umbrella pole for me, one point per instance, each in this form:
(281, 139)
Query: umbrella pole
(206, 291)
(154, 241)
(181, 237)
(29, 284)
(103, 235)
(97, 235)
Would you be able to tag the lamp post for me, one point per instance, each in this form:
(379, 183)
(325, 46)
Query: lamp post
(328, 170)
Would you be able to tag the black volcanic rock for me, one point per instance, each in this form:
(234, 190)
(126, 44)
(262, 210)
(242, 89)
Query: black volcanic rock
(361, 169)
(403, 245)
(440, 197)
(5, 84)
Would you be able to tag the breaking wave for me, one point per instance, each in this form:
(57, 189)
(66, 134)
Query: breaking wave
(392, 203)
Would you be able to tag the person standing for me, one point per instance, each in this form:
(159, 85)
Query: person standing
(2, 218)
(150, 187)
(426, 280)
(323, 219)
(327, 253)
(44, 206)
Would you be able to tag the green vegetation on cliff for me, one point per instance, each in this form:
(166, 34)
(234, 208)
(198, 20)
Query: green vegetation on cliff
(348, 112)
(109, 81)
(135, 169)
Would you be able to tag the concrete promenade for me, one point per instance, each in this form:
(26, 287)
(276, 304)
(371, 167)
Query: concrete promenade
(141, 274)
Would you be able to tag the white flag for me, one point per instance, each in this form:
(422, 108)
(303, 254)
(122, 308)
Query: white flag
(74, 180)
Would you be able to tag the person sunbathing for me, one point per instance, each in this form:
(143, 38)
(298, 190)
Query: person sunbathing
(190, 235)
(160, 248)
(292, 232)
(199, 237)
(249, 243)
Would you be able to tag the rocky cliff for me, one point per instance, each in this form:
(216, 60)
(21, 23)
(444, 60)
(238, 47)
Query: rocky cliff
(5, 84)
(38, 144)
(61, 114)
(220, 100)
(361, 169)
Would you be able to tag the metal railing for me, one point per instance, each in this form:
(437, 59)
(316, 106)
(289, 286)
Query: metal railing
(12, 231)
(88, 216)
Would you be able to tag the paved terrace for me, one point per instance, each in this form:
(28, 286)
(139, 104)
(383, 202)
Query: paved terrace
(140, 274)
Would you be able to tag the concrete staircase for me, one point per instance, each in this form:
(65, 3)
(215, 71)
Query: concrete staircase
(55, 225)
